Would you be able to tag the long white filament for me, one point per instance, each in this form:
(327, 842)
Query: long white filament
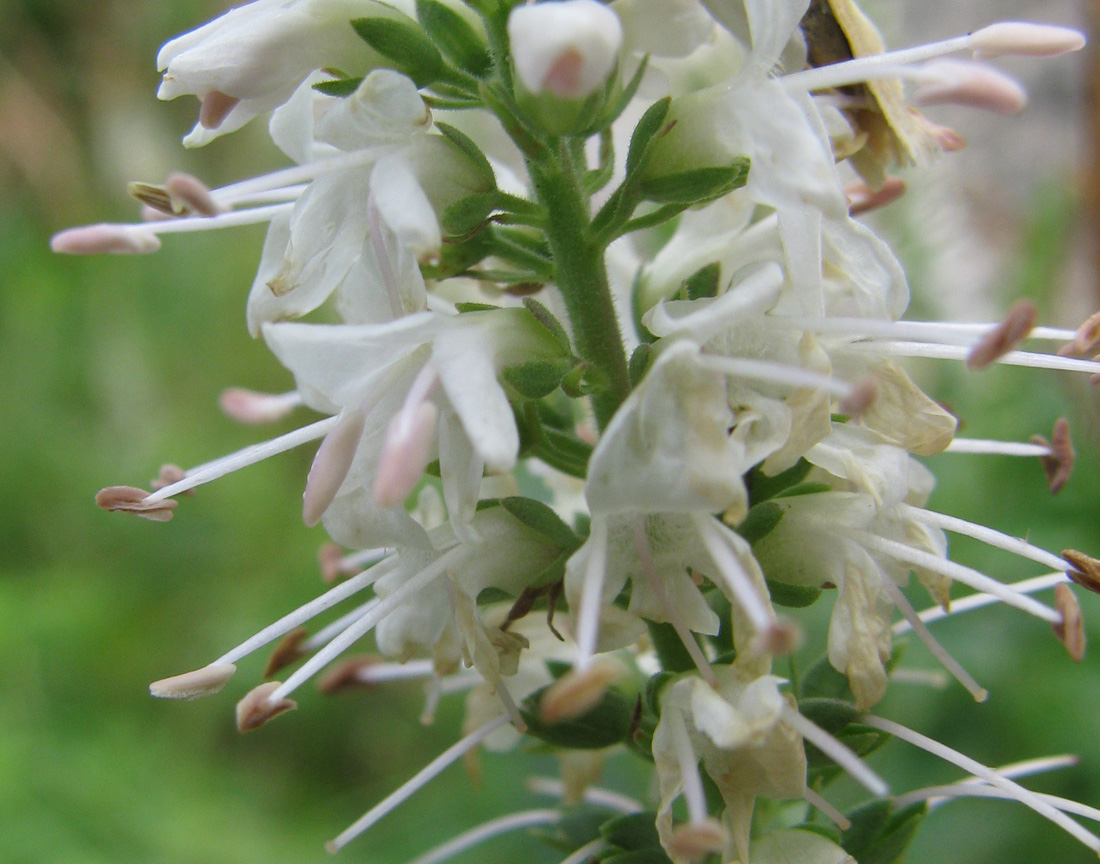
(961, 352)
(837, 751)
(487, 831)
(978, 601)
(588, 615)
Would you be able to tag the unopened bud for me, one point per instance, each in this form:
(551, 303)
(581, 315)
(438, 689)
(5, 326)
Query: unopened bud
(190, 685)
(347, 674)
(405, 454)
(1025, 39)
(254, 710)
(863, 199)
(1071, 629)
(104, 239)
(128, 499)
(567, 48)
(578, 691)
(973, 85)
(693, 841)
(248, 406)
(287, 651)
(1005, 337)
(331, 465)
(1058, 464)
(215, 108)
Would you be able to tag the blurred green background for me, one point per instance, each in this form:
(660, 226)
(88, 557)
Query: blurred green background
(112, 366)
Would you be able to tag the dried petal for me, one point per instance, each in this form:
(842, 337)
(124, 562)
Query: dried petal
(1071, 631)
(189, 685)
(254, 710)
(1059, 463)
(1005, 337)
(129, 499)
(287, 651)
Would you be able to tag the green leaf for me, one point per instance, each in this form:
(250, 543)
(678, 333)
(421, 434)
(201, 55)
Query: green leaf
(653, 855)
(879, 835)
(605, 724)
(573, 831)
(655, 687)
(464, 308)
(824, 682)
(467, 215)
(762, 487)
(633, 831)
(614, 109)
(540, 518)
(535, 378)
(341, 87)
(792, 596)
(760, 521)
(547, 319)
(584, 379)
(703, 282)
(454, 37)
(649, 125)
(466, 144)
(697, 185)
(639, 363)
(832, 715)
(403, 42)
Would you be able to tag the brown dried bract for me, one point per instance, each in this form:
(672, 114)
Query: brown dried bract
(190, 685)
(287, 651)
(1005, 337)
(1071, 630)
(129, 499)
(1059, 463)
(254, 710)
(1086, 340)
(1086, 572)
(345, 674)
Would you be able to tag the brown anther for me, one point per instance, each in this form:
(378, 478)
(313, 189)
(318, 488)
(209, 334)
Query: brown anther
(330, 558)
(153, 196)
(287, 651)
(255, 709)
(345, 674)
(1059, 462)
(1005, 337)
(1071, 630)
(216, 106)
(168, 475)
(863, 199)
(693, 841)
(1086, 339)
(861, 398)
(782, 636)
(128, 499)
(1086, 572)
(190, 685)
(578, 691)
(191, 195)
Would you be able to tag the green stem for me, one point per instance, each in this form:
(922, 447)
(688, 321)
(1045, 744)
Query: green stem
(581, 274)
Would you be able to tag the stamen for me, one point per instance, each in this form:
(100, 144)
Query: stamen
(304, 613)
(514, 716)
(454, 558)
(696, 840)
(487, 831)
(1025, 39)
(421, 779)
(242, 458)
(837, 751)
(983, 447)
(407, 447)
(778, 373)
(334, 563)
(1071, 630)
(248, 406)
(1086, 572)
(168, 475)
(257, 707)
(588, 612)
(382, 256)
(288, 651)
(949, 332)
(952, 665)
(105, 239)
(216, 106)
(672, 614)
(129, 499)
(330, 631)
(979, 601)
(287, 178)
(200, 682)
(863, 199)
(1085, 339)
(1005, 337)
(986, 535)
(937, 679)
(953, 352)
(939, 795)
(331, 464)
(1058, 463)
(588, 851)
(578, 690)
(816, 801)
(350, 672)
(193, 194)
(1021, 794)
(973, 85)
(737, 580)
(593, 794)
(694, 797)
(979, 581)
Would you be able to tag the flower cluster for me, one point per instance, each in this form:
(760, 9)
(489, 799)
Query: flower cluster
(613, 348)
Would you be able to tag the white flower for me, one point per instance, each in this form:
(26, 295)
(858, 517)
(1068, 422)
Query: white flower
(252, 58)
(567, 48)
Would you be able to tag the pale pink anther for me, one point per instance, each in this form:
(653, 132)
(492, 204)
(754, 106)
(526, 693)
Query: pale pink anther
(957, 82)
(1025, 39)
(405, 454)
(104, 239)
(254, 408)
(331, 465)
